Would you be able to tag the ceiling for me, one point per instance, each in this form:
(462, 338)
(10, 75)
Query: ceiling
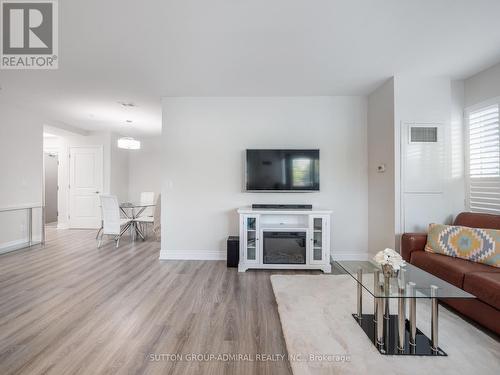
(131, 51)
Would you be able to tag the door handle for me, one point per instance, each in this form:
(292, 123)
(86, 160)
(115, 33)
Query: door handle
(97, 192)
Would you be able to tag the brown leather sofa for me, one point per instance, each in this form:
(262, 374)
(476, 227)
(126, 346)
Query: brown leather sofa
(481, 280)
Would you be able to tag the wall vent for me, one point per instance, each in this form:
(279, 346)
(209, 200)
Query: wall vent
(425, 134)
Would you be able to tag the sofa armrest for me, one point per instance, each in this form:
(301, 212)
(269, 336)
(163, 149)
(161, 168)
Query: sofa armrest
(412, 242)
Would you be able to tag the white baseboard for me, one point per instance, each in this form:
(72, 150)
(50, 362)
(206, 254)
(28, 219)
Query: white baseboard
(221, 255)
(350, 256)
(62, 226)
(192, 255)
(13, 245)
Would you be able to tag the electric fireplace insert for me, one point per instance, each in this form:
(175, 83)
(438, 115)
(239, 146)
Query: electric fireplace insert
(284, 247)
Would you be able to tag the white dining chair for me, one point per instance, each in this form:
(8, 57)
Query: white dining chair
(154, 220)
(147, 197)
(112, 223)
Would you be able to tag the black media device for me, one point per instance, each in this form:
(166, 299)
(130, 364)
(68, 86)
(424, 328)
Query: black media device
(233, 251)
(282, 170)
(282, 206)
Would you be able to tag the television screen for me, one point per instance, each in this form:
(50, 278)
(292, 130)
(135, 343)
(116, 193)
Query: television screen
(282, 170)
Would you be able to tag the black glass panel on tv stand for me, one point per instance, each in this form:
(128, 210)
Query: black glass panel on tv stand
(282, 170)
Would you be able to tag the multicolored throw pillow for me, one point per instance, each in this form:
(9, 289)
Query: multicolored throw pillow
(474, 244)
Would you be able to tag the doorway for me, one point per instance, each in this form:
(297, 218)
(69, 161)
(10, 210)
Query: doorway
(51, 163)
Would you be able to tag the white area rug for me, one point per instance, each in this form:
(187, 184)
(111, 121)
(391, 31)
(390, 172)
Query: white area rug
(315, 313)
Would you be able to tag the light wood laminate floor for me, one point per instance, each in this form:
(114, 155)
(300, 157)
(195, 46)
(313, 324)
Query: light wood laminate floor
(70, 308)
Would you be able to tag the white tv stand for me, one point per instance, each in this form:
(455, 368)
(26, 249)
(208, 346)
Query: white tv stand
(258, 225)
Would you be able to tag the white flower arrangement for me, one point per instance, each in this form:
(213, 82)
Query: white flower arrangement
(389, 257)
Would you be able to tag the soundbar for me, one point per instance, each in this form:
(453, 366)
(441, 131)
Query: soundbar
(282, 206)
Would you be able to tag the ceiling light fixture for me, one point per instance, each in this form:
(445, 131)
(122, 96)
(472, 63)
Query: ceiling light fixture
(129, 143)
(127, 104)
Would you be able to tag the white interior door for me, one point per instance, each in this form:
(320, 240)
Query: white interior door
(85, 186)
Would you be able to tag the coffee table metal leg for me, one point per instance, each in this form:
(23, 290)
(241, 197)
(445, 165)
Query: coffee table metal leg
(401, 320)
(376, 288)
(413, 313)
(380, 321)
(360, 293)
(387, 285)
(380, 317)
(434, 318)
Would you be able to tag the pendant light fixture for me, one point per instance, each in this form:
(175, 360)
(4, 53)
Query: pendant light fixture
(128, 143)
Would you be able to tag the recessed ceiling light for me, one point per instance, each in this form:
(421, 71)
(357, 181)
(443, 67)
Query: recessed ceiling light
(127, 104)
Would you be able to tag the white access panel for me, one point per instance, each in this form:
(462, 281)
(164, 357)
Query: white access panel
(423, 162)
(423, 176)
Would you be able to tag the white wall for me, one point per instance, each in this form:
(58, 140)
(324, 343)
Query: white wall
(21, 160)
(419, 100)
(456, 170)
(203, 144)
(428, 100)
(145, 168)
(381, 200)
(431, 191)
(21, 157)
(482, 86)
(119, 169)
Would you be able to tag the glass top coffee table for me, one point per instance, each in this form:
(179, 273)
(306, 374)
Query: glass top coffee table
(394, 334)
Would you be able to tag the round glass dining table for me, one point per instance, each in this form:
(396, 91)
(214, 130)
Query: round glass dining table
(132, 211)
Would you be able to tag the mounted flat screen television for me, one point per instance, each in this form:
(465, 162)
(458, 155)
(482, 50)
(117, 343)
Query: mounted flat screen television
(282, 170)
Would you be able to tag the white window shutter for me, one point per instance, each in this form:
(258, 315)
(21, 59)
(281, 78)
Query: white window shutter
(484, 160)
